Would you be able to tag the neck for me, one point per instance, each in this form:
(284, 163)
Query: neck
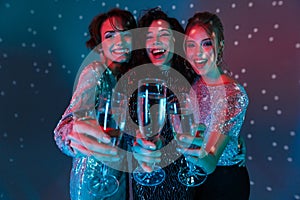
(116, 68)
(213, 77)
(165, 67)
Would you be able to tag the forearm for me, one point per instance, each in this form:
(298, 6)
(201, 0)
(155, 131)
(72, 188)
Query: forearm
(63, 128)
(214, 148)
(209, 163)
(82, 105)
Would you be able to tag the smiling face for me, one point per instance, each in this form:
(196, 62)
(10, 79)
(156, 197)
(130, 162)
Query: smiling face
(160, 43)
(116, 45)
(200, 51)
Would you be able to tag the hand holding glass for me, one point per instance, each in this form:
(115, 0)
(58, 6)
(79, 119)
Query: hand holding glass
(151, 108)
(111, 112)
(182, 120)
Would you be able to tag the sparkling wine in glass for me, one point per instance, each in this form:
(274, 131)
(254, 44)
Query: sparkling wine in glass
(111, 115)
(151, 108)
(182, 119)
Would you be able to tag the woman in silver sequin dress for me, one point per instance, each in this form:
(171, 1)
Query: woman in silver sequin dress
(222, 105)
(77, 133)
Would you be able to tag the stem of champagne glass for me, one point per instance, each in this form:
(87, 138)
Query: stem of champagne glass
(104, 170)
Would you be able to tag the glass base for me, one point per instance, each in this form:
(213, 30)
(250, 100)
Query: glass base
(103, 186)
(156, 177)
(192, 178)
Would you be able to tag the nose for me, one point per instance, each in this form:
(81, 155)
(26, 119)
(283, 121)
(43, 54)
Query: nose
(199, 51)
(119, 39)
(156, 43)
(157, 40)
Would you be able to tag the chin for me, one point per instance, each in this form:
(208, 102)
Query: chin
(157, 63)
(122, 60)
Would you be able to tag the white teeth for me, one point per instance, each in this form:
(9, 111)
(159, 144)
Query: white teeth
(200, 61)
(158, 51)
(121, 50)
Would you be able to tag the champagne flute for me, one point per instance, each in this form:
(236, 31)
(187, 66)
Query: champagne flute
(111, 115)
(182, 119)
(151, 108)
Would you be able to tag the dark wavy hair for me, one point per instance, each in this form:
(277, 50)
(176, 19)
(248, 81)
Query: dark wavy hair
(128, 22)
(177, 62)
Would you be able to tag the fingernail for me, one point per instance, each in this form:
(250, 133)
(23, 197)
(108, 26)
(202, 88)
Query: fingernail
(152, 147)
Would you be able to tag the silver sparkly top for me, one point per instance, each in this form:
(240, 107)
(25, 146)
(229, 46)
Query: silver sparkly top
(222, 108)
(94, 79)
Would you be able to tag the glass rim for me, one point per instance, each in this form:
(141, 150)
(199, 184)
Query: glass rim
(151, 81)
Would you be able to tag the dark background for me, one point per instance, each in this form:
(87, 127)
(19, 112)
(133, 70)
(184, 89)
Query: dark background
(42, 45)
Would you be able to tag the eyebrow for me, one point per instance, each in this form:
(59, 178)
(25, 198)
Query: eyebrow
(204, 40)
(165, 29)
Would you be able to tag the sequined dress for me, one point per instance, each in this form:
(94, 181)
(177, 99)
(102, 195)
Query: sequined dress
(222, 108)
(172, 161)
(94, 79)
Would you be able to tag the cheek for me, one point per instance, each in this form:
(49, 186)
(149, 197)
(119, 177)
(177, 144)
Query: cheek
(171, 45)
(148, 43)
(211, 54)
(105, 49)
(189, 53)
(166, 41)
(148, 53)
(128, 41)
(106, 45)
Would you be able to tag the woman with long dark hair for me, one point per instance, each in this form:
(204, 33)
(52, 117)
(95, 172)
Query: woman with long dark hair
(222, 108)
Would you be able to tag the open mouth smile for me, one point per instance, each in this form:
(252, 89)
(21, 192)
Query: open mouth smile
(200, 61)
(121, 51)
(158, 52)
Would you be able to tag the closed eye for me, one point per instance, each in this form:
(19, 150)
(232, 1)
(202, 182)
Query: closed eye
(109, 34)
(164, 34)
(149, 36)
